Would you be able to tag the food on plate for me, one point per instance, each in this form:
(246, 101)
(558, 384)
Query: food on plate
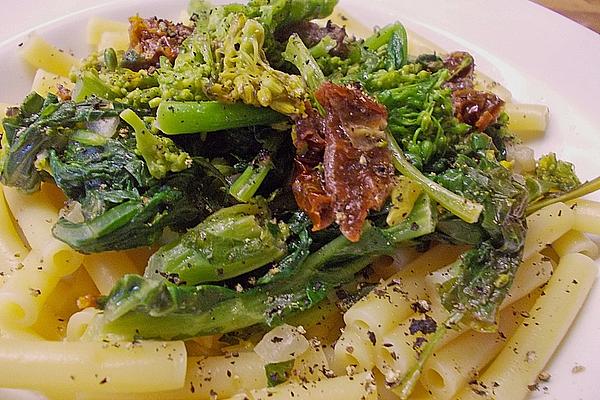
(250, 203)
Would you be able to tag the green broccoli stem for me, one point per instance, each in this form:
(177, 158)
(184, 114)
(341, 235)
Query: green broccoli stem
(151, 308)
(297, 54)
(174, 117)
(463, 208)
(89, 85)
(247, 184)
(580, 191)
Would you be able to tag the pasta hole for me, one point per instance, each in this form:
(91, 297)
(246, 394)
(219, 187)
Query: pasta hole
(13, 311)
(66, 261)
(434, 378)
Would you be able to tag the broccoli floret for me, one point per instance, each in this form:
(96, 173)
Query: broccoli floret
(225, 57)
(552, 178)
(247, 76)
(230, 65)
(99, 77)
(559, 174)
(159, 152)
(190, 75)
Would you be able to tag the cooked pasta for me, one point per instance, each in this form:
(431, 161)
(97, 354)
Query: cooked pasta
(12, 248)
(41, 54)
(165, 230)
(528, 121)
(458, 362)
(397, 349)
(28, 288)
(97, 27)
(113, 40)
(575, 242)
(529, 349)
(101, 367)
(587, 216)
(45, 82)
(107, 268)
(356, 387)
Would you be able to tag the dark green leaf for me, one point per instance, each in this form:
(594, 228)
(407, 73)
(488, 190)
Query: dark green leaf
(278, 373)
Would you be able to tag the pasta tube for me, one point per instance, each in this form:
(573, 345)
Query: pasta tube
(384, 308)
(396, 351)
(114, 40)
(532, 345)
(28, 288)
(528, 121)
(41, 54)
(97, 26)
(575, 242)
(107, 268)
(356, 387)
(90, 366)
(587, 216)
(390, 302)
(547, 225)
(205, 378)
(455, 364)
(12, 249)
(45, 82)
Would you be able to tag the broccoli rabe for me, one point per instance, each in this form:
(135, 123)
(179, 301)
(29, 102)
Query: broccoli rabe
(160, 153)
(38, 126)
(122, 204)
(479, 281)
(259, 84)
(551, 176)
(555, 181)
(100, 78)
(158, 308)
(228, 243)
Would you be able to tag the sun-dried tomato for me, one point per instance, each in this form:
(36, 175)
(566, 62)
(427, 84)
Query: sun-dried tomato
(355, 173)
(311, 195)
(476, 108)
(152, 38)
(461, 66)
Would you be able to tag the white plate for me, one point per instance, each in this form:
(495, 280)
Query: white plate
(540, 56)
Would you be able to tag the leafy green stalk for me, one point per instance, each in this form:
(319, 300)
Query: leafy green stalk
(384, 36)
(395, 37)
(465, 209)
(89, 85)
(229, 243)
(134, 223)
(175, 118)
(555, 181)
(580, 191)
(287, 12)
(152, 308)
(122, 205)
(479, 281)
(278, 373)
(297, 54)
(246, 185)
(39, 126)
